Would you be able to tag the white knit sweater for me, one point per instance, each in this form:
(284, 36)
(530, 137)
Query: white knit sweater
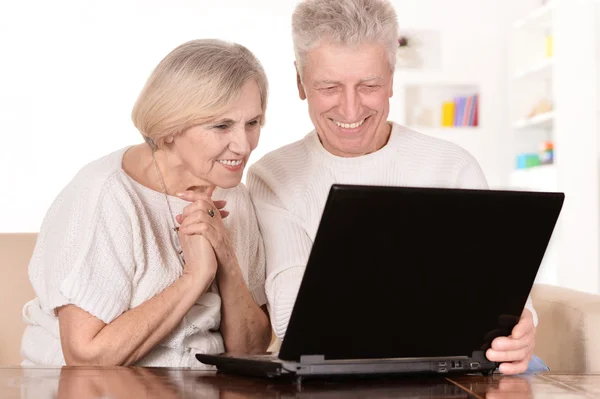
(289, 188)
(106, 246)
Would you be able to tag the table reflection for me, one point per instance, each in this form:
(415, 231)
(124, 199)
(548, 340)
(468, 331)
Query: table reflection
(146, 383)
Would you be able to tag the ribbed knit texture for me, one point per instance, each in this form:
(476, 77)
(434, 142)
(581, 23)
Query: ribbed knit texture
(106, 245)
(289, 188)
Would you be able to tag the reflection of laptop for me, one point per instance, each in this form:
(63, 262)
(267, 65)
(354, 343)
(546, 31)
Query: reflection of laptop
(410, 280)
(414, 387)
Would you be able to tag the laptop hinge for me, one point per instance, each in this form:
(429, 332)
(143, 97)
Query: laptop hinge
(312, 359)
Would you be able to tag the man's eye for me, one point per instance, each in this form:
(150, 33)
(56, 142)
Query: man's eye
(220, 127)
(253, 123)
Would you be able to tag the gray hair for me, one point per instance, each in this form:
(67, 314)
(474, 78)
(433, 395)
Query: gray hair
(192, 85)
(346, 22)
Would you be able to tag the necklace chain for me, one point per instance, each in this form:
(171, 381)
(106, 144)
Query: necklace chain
(164, 189)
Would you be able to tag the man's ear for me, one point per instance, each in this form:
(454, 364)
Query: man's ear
(301, 91)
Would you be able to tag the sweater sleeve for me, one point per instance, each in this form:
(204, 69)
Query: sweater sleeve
(287, 247)
(470, 174)
(254, 256)
(256, 268)
(96, 260)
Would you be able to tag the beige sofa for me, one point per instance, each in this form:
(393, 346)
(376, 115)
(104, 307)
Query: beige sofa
(568, 336)
(15, 290)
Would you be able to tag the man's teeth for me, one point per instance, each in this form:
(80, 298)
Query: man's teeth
(231, 163)
(349, 125)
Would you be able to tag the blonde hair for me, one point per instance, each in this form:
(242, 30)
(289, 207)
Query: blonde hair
(192, 85)
(346, 22)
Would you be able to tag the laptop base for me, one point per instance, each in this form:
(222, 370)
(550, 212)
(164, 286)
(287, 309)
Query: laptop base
(270, 366)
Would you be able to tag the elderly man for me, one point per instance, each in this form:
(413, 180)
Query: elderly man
(345, 59)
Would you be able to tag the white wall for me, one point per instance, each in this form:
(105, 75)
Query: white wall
(577, 143)
(71, 71)
(473, 43)
(76, 67)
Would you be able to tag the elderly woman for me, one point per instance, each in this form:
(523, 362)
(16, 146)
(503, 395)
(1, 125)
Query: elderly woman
(345, 60)
(135, 263)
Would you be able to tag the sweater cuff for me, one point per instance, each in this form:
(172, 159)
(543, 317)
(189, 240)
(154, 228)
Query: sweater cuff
(529, 306)
(105, 296)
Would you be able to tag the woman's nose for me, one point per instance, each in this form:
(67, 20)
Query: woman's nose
(239, 142)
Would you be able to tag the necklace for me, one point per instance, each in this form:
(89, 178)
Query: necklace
(174, 229)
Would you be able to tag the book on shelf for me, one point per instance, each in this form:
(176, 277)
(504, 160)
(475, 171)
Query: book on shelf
(468, 111)
(448, 114)
(461, 111)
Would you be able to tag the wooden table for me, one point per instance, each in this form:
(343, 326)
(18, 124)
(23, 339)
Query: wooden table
(134, 382)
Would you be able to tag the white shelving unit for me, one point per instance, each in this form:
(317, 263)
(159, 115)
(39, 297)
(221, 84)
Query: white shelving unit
(539, 18)
(467, 63)
(543, 69)
(569, 78)
(532, 82)
(423, 104)
(545, 120)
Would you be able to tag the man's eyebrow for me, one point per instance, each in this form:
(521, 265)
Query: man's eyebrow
(326, 82)
(371, 78)
(335, 82)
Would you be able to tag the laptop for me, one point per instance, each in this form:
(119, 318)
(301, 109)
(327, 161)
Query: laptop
(405, 280)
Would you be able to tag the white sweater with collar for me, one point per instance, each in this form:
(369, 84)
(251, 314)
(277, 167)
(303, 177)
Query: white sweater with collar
(106, 246)
(289, 188)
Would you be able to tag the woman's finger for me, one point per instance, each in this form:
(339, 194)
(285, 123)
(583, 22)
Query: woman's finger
(199, 205)
(200, 216)
(220, 204)
(203, 229)
(224, 214)
(194, 195)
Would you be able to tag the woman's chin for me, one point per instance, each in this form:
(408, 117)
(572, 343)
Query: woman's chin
(228, 183)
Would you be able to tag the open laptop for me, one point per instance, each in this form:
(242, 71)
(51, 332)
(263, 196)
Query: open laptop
(410, 280)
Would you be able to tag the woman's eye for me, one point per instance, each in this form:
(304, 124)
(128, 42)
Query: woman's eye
(220, 127)
(253, 123)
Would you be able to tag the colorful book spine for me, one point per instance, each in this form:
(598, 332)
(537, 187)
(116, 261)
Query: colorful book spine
(459, 104)
(473, 115)
(466, 111)
(448, 114)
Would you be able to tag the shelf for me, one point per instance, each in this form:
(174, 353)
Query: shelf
(424, 104)
(538, 178)
(542, 69)
(545, 120)
(540, 18)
